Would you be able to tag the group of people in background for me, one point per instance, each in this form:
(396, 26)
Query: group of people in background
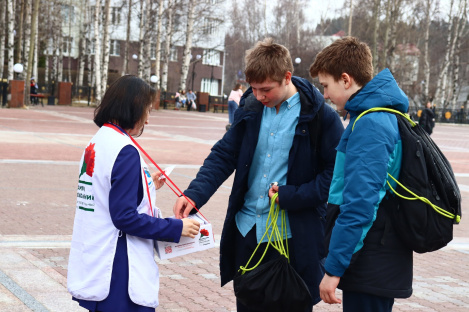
(183, 100)
(281, 130)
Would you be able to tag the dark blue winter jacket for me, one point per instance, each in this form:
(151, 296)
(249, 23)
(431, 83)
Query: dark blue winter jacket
(308, 179)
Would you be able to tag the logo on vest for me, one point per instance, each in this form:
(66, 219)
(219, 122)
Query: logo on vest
(85, 197)
(88, 161)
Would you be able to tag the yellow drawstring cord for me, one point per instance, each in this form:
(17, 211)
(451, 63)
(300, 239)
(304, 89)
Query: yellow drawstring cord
(277, 242)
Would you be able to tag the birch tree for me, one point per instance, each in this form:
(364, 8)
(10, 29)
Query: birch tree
(125, 66)
(167, 46)
(18, 58)
(97, 51)
(10, 39)
(429, 6)
(462, 33)
(2, 37)
(186, 55)
(32, 39)
(159, 30)
(146, 63)
(440, 93)
(27, 36)
(374, 45)
(84, 26)
(106, 43)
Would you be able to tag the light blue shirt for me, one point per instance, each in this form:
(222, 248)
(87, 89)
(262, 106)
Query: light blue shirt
(269, 164)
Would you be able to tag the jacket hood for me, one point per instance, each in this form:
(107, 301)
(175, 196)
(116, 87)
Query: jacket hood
(381, 91)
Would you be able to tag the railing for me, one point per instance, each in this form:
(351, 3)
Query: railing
(444, 115)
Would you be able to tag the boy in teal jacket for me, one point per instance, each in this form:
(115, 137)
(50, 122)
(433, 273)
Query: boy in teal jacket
(366, 259)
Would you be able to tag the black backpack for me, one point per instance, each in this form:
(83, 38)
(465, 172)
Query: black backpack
(429, 201)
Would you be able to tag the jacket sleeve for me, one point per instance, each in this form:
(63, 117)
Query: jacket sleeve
(218, 166)
(367, 157)
(316, 191)
(124, 198)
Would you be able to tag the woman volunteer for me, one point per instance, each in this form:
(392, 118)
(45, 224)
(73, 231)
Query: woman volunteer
(111, 265)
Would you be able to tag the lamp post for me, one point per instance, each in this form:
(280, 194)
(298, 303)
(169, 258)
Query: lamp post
(135, 58)
(198, 57)
(18, 69)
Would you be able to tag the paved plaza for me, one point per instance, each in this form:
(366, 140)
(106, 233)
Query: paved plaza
(40, 149)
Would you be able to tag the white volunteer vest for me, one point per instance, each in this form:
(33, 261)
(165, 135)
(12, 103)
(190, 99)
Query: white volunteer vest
(94, 238)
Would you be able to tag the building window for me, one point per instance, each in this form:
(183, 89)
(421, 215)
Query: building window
(67, 45)
(115, 48)
(211, 57)
(210, 86)
(68, 14)
(115, 16)
(173, 54)
(211, 26)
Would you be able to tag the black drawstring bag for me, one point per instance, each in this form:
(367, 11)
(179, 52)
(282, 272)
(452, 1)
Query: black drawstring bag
(274, 285)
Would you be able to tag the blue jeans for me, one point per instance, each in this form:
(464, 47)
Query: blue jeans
(232, 106)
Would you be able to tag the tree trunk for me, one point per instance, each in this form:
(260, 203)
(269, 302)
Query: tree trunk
(441, 83)
(146, 62)
(125, 66)
(2, 37)
(426, 61)
(106, 43)
(97, 52)
(10, 40)
(18, 57)
(458, 35)
(167, 46)
(186, 55)
(32, 39)
(375, 34)
(350, 18)
(82, 49)
(383, 58)
(158, 40)
(395, 13)
(27, 35)
(36, 47)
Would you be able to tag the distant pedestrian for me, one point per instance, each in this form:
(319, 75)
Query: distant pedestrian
(233, 102)
(177, 100)
(33, 91)
(191, 100)
(427, 118)
(111, 265)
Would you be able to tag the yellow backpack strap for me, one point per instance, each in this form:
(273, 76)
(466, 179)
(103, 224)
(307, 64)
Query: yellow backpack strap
(384, 109)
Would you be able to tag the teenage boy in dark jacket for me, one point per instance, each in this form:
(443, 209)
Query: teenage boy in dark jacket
(269, 141)
(366, 259)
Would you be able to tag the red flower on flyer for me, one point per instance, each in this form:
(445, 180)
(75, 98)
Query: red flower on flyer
(203, 233)
(88, 160)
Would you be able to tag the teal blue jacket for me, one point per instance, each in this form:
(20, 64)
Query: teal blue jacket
(358, 186)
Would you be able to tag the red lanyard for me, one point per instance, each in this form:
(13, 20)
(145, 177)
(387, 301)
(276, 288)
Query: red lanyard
(109, 125)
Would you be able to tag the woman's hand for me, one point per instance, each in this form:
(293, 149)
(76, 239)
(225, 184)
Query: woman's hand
(156, 179)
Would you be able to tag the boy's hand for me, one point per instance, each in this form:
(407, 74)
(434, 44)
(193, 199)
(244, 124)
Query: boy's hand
(190, 228)
(327, 289)
(182, 207)
(273, 189)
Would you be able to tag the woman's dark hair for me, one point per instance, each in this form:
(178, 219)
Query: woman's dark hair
(237, 87)
(125, 102)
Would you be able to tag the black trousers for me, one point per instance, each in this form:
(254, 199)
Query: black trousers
(360, 302)
(244, 247)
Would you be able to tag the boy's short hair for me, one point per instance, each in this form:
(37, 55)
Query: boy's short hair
(267, 60)
(345, 55)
